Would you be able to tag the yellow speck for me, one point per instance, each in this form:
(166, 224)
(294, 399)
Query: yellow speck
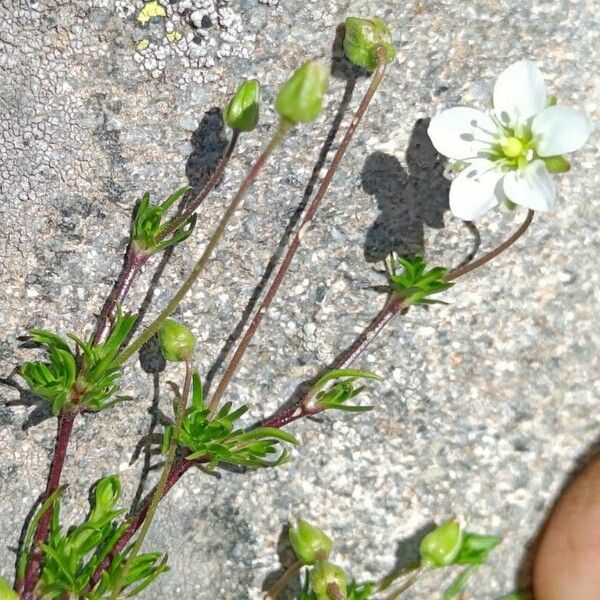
(151, 9)
(142, 44)
(174, 36)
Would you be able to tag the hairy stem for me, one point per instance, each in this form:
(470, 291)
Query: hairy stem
(297, 240)
(65, 426)
(393, 306)
(153, 328)
(205, 191)
(179, 468)
(164, 476)
(299, 410)
(132, 265)
(486, 258)
(278, 587)
(408, 583)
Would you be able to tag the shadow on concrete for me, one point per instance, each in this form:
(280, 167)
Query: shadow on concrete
(408, 200)
(341, 69)
(286, 557)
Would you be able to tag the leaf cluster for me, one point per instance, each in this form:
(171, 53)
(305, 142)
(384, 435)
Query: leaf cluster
(86, 377)
(71, 557)
(416, 283)
(218, 441)
(148, 229)
(336, 396)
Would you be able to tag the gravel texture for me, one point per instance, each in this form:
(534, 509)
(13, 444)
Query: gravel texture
(487, 404)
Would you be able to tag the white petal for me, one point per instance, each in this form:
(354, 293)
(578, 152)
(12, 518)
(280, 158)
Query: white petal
(519, 93)
(476, 190)
(531, 187)
(462, 132)
(560, 129)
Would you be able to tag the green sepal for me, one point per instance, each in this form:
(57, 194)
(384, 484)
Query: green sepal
(441, 547)
(362, 39)
(325, 574)
(300, 98)
(242, 111)
(556, 164)
(177, 342)
(309, 543)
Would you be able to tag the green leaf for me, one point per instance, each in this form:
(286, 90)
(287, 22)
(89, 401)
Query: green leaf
(31, 528)
(416, 284)
(476, 548)
(339, 393)
(458, 585)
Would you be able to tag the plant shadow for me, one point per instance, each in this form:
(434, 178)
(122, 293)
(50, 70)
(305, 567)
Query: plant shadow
(408, 200)
(286, 557)
(341, 69)
(209, 142)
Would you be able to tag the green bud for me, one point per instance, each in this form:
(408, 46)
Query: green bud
(556, 164)
(441, 547)
(300, 98)
(241, 113)
(551, 100)
(363, 37)
(6, 591)
(176, 341)
(309, 543)
(107, 492)
(326, 578)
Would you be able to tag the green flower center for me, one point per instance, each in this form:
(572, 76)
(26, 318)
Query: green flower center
(512, 147)
(514, 150)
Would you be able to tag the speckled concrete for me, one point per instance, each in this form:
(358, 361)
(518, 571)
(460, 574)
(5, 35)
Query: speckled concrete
(487, 403)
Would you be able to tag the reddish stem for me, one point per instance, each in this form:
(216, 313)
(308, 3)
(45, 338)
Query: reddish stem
(65, 426)
(297, 240)
(179, 468)
(131, 267)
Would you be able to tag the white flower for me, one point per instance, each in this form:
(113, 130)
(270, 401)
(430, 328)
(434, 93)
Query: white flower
(510, 151)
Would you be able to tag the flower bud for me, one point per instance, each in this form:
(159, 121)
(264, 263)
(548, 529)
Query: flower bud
(107, 492)
(6, 591)
(241, 113)
(176, 341)
(440, 547)
(327, 578)
(300, 98)
(363, 37)
(309, 543)
(556, 164)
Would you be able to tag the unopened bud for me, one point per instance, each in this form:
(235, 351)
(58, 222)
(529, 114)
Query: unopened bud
(176, 341)
(328, 581)
(556, 164)
(107, 492)
(300, 98)
(309, 543)
(440, 547)
(241, 113)
(363, 39)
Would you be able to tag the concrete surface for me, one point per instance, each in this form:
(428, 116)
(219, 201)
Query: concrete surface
(487, 404)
